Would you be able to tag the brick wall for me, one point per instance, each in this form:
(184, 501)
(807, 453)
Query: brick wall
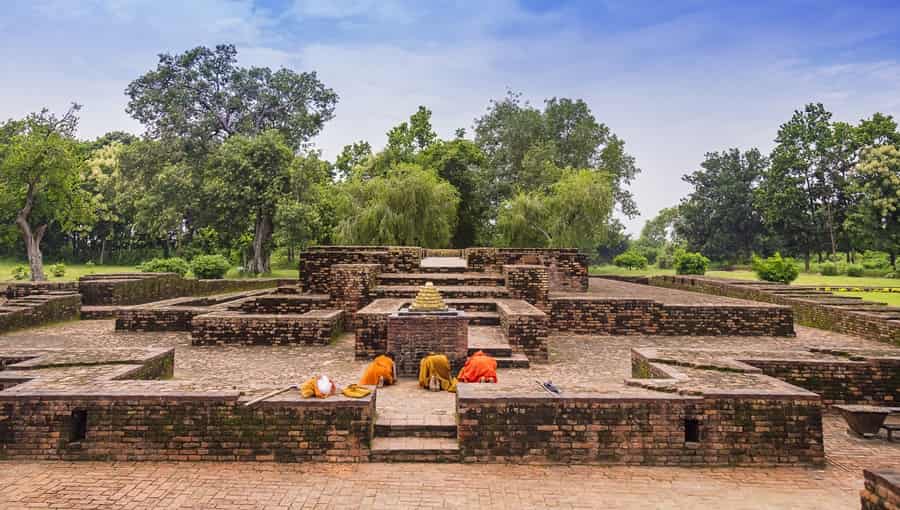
(352, 286)
(413, 337)
(39, 309)
(617, 316)
(371, 325)
(503, 425)
(182, 427)
(22, 289)
(566, 268)
(316, 262)
(873, 381)
(525, 327)
(317, 327)
(138, 288)
(806, 312)
(279, 303)
(528, 282)
(881, 490)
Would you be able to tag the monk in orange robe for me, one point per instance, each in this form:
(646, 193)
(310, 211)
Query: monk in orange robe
(479, 368)
(380, 367)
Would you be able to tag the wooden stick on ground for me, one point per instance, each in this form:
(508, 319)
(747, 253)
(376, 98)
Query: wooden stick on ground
(271, 394)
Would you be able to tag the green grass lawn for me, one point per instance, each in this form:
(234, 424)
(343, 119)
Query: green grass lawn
(75, 271)
(890, 298)
(803, 279)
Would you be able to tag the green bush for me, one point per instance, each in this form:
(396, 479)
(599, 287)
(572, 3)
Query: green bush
(21, 272)
(170, 265)
(876, 260)
(630, 260)
(776, 269)
(687, 262)
(58, 270)
(855, 270)
(829, 269)
(665, 261)
(210, 266)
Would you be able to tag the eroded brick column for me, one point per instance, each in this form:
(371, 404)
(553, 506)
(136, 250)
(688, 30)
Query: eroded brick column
(352, 286)
(528, 282)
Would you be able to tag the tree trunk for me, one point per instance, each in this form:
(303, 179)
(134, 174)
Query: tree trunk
(893, 255)
(806, 261)
(33, 249)
(262, 236)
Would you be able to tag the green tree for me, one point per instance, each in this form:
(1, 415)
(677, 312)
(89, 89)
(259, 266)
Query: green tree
(409, 206)
(306, 213)
(203, 96)
(249, 175)
(877, 179)
(575, 212)
(40, 175)
(719, 217)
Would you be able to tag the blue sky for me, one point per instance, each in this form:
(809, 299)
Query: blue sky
(674, 79)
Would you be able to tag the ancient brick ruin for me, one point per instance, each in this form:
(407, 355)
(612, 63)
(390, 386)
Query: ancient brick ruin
(696, 404)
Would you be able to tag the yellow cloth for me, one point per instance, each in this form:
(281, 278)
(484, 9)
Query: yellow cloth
(381, 366)
(439, 366)
(310, 389)
(356, 391)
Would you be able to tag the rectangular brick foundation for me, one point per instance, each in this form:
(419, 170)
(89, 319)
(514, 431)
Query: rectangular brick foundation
(317, 327)
(881, 491)
(413, 337)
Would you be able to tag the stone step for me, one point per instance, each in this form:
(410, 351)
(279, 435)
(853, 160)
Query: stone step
(515, 360)
(418, 430)
(414, 449)
(98, 312)
(472, 304)
(468, 291)
(483, 318)
(442, 279)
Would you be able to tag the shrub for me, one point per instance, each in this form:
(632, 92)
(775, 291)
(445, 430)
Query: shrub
(21, 272)
(58, 270)
(210, 266)
(829, 269)
(630, 260)
(876, 260)
(855, 270)
(665, 261)
(687, 262)
(170, 265)
(776, 269)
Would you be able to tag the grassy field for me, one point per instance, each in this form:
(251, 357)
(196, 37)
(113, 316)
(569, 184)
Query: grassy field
(75, 271)
(803, 279)
(890, 298)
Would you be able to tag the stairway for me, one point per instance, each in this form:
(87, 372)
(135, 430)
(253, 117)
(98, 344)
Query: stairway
(423, 434)
(492, 341)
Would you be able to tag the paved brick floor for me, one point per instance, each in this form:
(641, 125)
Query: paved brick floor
(576, 362)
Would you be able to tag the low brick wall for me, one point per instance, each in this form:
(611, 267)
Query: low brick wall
(22, 289)
(38, 309)
(873, 381)
(316, 262)
(508, 425)
(616, 316)
(139, 288)
(213, 426)
(317, 327)
(881, 490)
(525, 327)
(371, 327)
(566, 268)
(528, 282)
(285, 303)
(176, 314)
(807, 312)
(411, 338)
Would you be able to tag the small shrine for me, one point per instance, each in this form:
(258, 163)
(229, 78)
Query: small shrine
(428, 300)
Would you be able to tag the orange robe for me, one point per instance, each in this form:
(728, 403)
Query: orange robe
(477, 366)
(382, 366)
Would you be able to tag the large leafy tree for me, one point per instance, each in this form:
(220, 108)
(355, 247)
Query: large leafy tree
(527, 148)
(249, 175)
(574, 212)
(40, 175)
(203, 96)
(306, 212)
(719, 217)
(409, 205)
(877, 180)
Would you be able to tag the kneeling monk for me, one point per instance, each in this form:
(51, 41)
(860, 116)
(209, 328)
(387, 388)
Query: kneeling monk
(381, 367)
(479, 368)
(436, 366)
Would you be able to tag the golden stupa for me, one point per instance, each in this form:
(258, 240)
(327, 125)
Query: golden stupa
(428, 300)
